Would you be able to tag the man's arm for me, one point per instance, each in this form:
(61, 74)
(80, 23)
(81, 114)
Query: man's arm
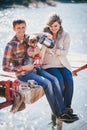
(7, 60)
(7, 63)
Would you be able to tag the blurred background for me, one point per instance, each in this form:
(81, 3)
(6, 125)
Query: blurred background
(37, 116)
(27, 2)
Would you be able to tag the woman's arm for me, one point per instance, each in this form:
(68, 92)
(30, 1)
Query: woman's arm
(42, 53)
(63, 50)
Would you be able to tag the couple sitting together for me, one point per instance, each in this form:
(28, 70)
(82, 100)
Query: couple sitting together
(45, 64)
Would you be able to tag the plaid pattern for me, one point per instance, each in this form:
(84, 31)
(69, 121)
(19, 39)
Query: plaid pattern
(14, 54)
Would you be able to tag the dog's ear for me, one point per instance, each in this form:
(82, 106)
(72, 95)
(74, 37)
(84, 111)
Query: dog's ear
(33, 37)
(33, 41)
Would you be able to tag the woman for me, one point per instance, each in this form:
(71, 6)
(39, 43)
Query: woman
(55, 60)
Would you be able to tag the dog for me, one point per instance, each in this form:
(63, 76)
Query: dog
(33, 41)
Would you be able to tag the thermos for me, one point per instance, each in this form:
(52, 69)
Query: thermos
(47, 42)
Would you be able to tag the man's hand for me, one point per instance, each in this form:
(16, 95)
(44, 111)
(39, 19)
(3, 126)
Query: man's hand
(29, 67)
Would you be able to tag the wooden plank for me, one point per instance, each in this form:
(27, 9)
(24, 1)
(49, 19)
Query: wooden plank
(7, 76)
(77, 60)
(59, 125)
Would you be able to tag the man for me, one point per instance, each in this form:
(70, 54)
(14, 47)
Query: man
(16, 49)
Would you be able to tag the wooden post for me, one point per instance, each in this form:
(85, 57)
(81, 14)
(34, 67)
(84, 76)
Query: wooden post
(56, 122)
(59, 124)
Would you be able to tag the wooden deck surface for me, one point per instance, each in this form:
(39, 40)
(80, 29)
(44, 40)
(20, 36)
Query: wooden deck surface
(77, 60)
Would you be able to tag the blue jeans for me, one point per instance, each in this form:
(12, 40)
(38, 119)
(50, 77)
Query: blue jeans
(51, 87)
(65, 79)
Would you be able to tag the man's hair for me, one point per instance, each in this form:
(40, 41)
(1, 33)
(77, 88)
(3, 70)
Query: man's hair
(19, 21)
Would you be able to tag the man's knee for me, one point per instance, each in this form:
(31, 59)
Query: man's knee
(46, 84)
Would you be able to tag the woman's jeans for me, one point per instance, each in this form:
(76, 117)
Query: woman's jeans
(65, 79)
(51, 87)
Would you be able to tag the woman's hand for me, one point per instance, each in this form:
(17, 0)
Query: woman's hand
(36, 51)
(56, 52)
(52, 52)
(49, 36)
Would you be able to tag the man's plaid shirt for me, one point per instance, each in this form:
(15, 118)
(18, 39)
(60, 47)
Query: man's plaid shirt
(14, 54)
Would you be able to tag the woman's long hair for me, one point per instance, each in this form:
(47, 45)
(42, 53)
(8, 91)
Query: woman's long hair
(53, 18)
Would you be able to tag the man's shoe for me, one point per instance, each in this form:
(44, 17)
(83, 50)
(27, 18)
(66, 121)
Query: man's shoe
(66, 118)
(74, 118)
(70, 112)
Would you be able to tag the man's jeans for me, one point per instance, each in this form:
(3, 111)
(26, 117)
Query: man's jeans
(65, 79)
(51, 87)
